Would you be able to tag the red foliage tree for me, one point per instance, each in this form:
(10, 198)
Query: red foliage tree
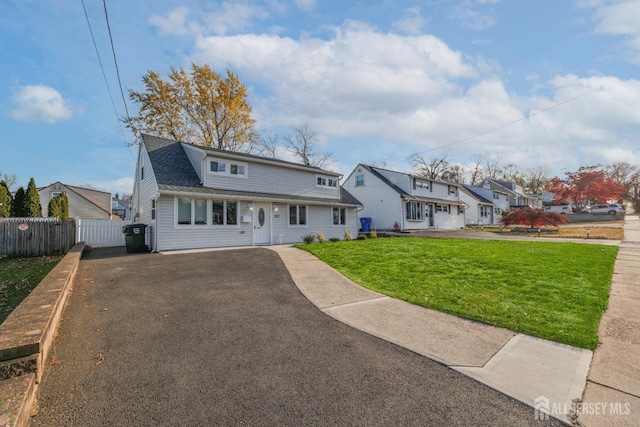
(534, 218)
(588, 183)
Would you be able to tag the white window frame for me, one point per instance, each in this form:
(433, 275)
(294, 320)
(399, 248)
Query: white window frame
(225, 213)
(297, 224)
(224, 167)
(452, 189)
(424, 185)
(154, 205)
(326, 181)
(344, 217)
(192, 220)
(360, 183)
(410, 213)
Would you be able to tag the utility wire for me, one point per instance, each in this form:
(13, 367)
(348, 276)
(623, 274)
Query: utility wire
(106, 82)
(115, 61)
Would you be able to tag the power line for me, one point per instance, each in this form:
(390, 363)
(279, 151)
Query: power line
(104, 75)
(115, 61)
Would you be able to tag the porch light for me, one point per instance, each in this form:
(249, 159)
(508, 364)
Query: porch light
(250, 207)
(275, 208)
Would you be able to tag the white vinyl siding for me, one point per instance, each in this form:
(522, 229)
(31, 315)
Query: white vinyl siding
(272, 179)
(174, 237)
(144, 191)
(319, 218)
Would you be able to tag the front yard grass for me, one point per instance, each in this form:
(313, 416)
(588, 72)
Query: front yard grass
(18, 277)
(556, 291)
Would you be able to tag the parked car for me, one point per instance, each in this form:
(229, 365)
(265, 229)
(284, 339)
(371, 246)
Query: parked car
(604, 208)
(561, 209)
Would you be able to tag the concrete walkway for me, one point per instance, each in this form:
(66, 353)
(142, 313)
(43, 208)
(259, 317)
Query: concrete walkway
(612, 394)
(543, 374)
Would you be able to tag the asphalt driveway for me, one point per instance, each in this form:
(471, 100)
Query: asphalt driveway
(226, 338)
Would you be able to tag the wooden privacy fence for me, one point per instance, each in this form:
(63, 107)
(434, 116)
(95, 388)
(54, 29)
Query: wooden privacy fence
(100, 232)
(30, 237)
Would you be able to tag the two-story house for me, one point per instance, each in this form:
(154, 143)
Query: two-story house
(484, 205)
(409, 202)
(197, 197)
(518, 197)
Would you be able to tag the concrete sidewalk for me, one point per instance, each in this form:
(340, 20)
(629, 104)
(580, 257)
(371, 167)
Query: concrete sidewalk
(612, 394)
(536, 372)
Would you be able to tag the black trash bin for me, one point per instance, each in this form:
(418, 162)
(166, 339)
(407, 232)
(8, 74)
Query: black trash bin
(366, 224)
(134, 236)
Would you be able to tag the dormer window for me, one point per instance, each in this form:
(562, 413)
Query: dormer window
(222, 167)
(325, 181)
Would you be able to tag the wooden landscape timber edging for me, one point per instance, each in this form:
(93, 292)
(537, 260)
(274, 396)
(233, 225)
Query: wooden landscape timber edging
(26, 337)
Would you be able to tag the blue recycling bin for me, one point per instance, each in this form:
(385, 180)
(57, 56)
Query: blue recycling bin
(366, 224)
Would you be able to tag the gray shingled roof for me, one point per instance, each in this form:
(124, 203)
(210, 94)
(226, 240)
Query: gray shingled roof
(471, 189)
(175, 174)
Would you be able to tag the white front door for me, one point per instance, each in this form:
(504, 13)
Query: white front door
(261, 224)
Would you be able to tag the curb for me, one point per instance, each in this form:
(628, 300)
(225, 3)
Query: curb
(26, 337)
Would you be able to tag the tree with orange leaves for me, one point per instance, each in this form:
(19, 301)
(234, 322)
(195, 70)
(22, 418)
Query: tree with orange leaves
(587, 184)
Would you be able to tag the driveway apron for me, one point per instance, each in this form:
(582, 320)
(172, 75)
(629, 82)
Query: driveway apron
(226, 338)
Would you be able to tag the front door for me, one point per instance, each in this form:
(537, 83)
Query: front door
(261, 224)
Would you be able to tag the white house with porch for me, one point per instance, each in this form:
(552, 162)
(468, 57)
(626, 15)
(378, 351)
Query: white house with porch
(405, 201)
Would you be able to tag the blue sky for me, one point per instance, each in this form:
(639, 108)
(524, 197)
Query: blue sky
(377, 80)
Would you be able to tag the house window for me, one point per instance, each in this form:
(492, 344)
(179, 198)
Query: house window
(323, 181)
(496, 196)
(452, 189)
(200, 212)
(438, 208)
(153, 208)
(359, 180)
(184, 210)
(460, 210)
(219, 167)
(445, 208)
(236, 169)
(422, 184)
(415, 211)
(192, 211)
(339, 216)
(224, 212)
(297, 215)
(55, 194)
(142, 173)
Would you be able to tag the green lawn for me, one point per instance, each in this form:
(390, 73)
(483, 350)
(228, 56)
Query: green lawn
(18, 276)
(556, 291)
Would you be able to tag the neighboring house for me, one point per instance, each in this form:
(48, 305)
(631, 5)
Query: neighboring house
(518, 198)
(84, 203)
(120, 208)
(484, 206)
(411, 201)
(196, 197)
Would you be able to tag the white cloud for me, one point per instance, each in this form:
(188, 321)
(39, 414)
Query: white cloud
(40, 103)
(359, 71)
(306, 5)
(472, 18)
(230, 16)
(412, 23)
(174, 23)
(121, 186)
(621, 18)
(378, 93)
